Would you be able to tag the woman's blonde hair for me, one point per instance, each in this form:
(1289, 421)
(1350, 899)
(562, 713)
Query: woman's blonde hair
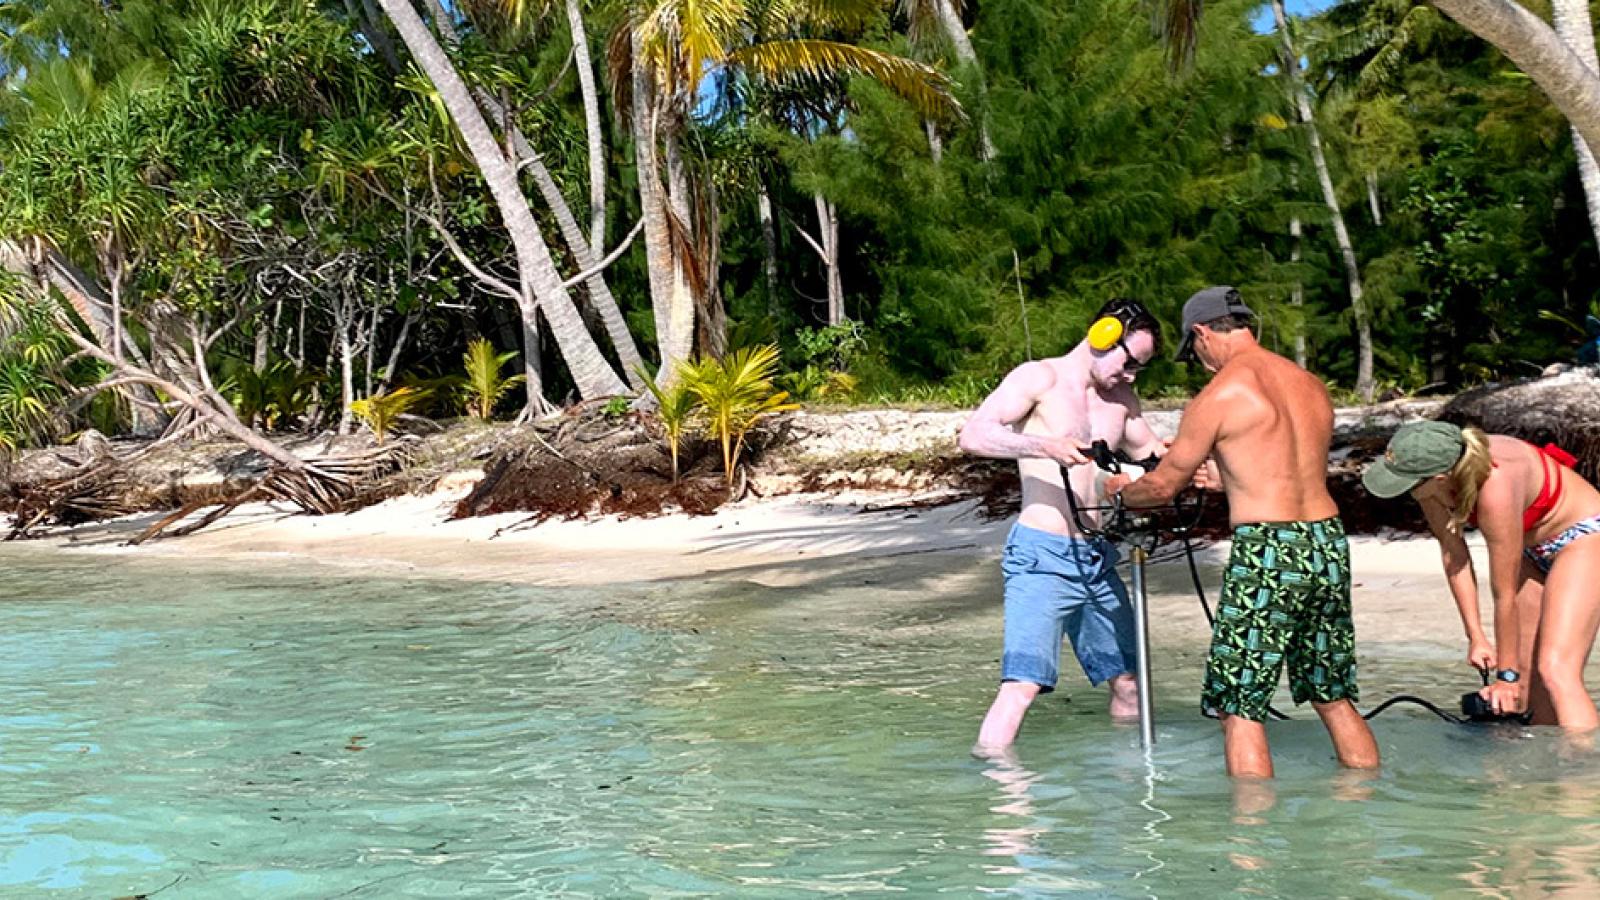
(1468, 475)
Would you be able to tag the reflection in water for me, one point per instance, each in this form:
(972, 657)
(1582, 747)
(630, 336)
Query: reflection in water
(1549, 845)
(1015, 840)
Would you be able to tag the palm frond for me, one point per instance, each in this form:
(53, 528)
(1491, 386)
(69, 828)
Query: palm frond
(1178, 23)
(924, 87)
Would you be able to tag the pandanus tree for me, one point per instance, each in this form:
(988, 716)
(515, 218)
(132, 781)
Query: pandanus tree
(661, 56)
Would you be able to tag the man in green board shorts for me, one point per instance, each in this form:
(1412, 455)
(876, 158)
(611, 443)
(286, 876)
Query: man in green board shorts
(1267, 423)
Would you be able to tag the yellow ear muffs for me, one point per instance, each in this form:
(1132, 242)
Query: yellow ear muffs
(1104, 334)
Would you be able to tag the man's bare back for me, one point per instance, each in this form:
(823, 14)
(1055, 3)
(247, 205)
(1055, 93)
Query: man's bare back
(1278, 427)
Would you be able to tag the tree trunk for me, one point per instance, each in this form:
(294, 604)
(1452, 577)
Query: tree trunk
(670, 299)
(443, 22)
(935, 143)
(1297, 296)
(1372, 198)
(1576, 30)
(678, 197)
(586, 252)
(592, 130)
(370, 25)
(1358, 307)
(542, 288)
(956, 33)
(585, 256)
(392, 368)
(828, 233)
(1535, 49)
(263, 343)
(769, 248)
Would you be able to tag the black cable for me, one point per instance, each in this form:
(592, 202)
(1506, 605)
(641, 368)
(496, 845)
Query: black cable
(1205, 607)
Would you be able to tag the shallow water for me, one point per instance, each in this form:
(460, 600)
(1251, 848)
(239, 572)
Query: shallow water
(309, 733)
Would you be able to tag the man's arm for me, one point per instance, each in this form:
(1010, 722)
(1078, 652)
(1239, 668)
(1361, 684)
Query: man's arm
(1197, 434)
(992, 431)
(1139, 440)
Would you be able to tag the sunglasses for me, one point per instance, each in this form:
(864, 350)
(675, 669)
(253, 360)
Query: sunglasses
(1131, 364)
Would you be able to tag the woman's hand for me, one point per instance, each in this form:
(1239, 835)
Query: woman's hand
(1505, 698)
(1480, 655)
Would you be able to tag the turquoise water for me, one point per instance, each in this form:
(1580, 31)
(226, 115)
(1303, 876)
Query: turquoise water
(186, 731)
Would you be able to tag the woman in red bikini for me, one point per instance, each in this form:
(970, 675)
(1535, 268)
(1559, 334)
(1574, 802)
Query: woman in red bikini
(1540, 521)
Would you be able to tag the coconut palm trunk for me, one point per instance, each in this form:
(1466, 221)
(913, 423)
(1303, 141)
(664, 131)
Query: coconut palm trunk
(1576, 30)
(541, 283)
(769, 248)
(956, 32)
(828, 235)
(595, 136)
(1358, 307)
(1540, 53)
(1297, 295)
(586, 251)
(671, 300)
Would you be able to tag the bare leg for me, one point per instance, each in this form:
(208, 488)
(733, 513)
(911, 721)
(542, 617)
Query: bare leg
(1352, 739)
(1004, 719)
(1530, 603)
(1124, 696)
(1567, 628)
(1244, 743)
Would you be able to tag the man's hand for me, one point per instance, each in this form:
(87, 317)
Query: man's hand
(1065, 450)
(1116, 483)
(1480, 655)
(1208, 477)
(1505, 698)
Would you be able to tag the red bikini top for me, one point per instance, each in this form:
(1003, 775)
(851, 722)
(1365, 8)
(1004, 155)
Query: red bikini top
(1549, 492)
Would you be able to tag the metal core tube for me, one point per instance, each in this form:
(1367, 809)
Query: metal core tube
(1141, 637)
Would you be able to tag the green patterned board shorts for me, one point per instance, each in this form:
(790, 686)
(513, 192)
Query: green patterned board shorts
(1285, 599)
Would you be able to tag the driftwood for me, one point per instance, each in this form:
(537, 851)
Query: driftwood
(1563, 410)
(102, 485)
(325, 485)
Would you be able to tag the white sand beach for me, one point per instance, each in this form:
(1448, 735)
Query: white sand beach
(1400, 595)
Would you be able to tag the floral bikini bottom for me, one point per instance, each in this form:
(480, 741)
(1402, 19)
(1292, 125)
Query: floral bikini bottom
(1543, 554)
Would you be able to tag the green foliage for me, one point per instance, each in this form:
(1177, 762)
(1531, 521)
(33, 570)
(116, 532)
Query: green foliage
(818, 383)
(675, 406)
(273, 397)
(484, 384)
(28, 403)
(616, 407)
(381, 411)
(734, 393)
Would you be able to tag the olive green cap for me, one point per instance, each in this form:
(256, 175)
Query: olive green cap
(1417, 452)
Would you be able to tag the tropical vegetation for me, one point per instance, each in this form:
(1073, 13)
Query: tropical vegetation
(256, 216)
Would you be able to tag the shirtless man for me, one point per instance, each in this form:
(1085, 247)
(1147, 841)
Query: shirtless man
(1044, 415)
(1267, 424)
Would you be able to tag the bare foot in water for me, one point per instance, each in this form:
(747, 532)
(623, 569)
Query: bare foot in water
(1124, 698)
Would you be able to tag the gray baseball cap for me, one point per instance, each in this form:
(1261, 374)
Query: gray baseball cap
(1208, 305)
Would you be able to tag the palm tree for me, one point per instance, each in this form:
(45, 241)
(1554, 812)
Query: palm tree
(1570, 83)
(1290, 62)
(669, 47)
(541, 287)
(928, 20)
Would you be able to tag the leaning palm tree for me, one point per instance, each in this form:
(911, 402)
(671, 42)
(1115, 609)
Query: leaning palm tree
(542, 289)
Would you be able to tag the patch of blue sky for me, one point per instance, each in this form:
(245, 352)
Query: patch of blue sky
(1262, 20)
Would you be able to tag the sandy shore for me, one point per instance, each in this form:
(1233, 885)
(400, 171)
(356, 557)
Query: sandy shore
(1400, 595)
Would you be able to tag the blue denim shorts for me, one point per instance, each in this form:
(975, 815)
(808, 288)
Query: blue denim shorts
(1059, 586)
